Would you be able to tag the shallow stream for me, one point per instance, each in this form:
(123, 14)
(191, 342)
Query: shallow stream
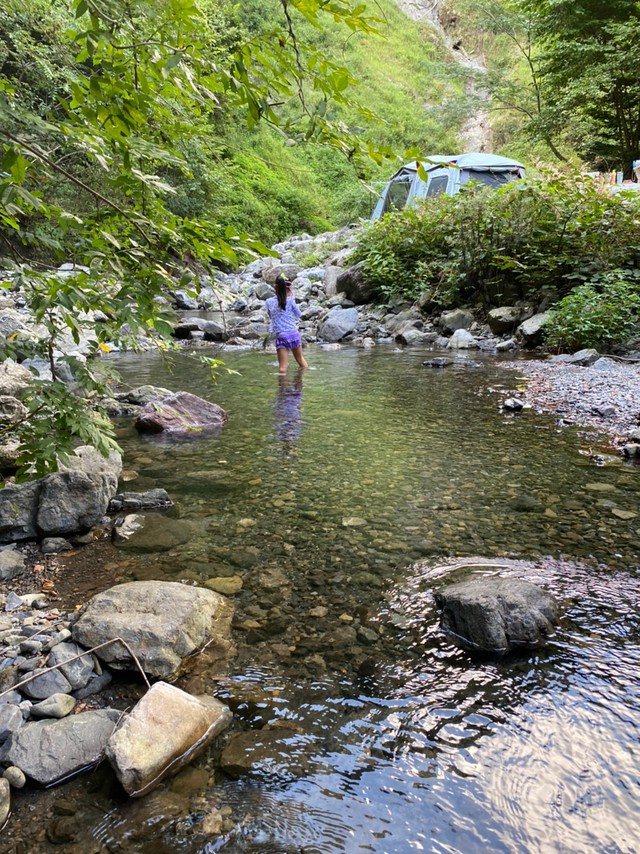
(340, 500)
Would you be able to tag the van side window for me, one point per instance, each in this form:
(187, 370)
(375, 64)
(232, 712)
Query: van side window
(437, 185)
(491, 179)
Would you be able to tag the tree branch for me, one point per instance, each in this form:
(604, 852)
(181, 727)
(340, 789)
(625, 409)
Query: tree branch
(57, 168)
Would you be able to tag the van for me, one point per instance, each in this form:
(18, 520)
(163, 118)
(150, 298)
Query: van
(445, 174)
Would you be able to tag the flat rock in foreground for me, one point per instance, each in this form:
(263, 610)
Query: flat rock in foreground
(180, 414)
(496, 614)
(163, 622)
(166, 730)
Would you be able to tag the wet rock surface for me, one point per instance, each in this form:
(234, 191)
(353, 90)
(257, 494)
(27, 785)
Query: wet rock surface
(497, 614)
(167, 729)
(180, 414)
(161, 622)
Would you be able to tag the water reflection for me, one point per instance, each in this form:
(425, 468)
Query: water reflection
(287, 410)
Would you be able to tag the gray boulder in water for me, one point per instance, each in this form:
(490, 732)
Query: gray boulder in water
(163, 622)
(181, 414)
(496, 614)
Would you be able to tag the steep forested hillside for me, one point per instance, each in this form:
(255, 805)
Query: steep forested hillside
(261, 178)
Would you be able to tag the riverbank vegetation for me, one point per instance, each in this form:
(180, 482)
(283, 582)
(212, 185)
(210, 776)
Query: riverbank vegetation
(533, 241)
(110, 112)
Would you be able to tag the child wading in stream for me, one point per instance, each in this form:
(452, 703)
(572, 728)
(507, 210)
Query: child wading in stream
(284, 314)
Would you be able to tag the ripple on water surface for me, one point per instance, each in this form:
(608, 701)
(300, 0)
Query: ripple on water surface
(322, 494)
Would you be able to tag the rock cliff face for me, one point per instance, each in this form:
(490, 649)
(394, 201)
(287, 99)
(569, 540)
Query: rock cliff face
(475, 134)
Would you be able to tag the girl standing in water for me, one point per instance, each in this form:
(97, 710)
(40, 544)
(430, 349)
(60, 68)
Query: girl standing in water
(284, 314)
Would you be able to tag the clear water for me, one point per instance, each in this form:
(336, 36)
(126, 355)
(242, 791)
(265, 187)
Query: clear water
(323, 495)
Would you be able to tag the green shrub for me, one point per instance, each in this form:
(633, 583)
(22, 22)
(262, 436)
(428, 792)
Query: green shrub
(532, 240)
(598, 314)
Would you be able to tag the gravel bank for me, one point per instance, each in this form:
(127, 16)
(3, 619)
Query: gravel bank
(605, 398)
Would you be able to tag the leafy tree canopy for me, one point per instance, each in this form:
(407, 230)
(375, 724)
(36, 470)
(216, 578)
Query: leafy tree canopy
(140, 78)
(570, 71)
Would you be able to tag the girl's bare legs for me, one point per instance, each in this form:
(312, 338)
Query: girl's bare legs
(300, 359)
(283, 359)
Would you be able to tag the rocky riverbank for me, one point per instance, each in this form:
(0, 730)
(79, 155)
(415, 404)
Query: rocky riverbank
(599, 393)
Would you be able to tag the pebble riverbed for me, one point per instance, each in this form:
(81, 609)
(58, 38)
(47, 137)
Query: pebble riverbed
(607, 400)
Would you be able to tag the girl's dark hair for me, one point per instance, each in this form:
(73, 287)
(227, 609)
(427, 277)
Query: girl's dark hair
(281, 291)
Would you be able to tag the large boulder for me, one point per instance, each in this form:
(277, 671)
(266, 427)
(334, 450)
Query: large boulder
(72, 502)
(166, 730)
(496, 614)
(65, 502)
(271, 272)
(13, 377)
(503, 320)
(50, 751)
(353, 283)
(530, 333)
(18, 511)
(163, 623)
(339, 323)
(214, 331)
(456, 318)
(331, 276)
(181, 414)
(90, 461)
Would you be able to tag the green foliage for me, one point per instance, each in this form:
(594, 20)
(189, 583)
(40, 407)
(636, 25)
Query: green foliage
(600, 313)
(589, 67)
(43, 446)
(401, 78)
(105, 107)
(567, 73)
(532, 240)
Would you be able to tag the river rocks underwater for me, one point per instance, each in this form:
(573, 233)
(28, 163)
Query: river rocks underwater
(331, 510)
